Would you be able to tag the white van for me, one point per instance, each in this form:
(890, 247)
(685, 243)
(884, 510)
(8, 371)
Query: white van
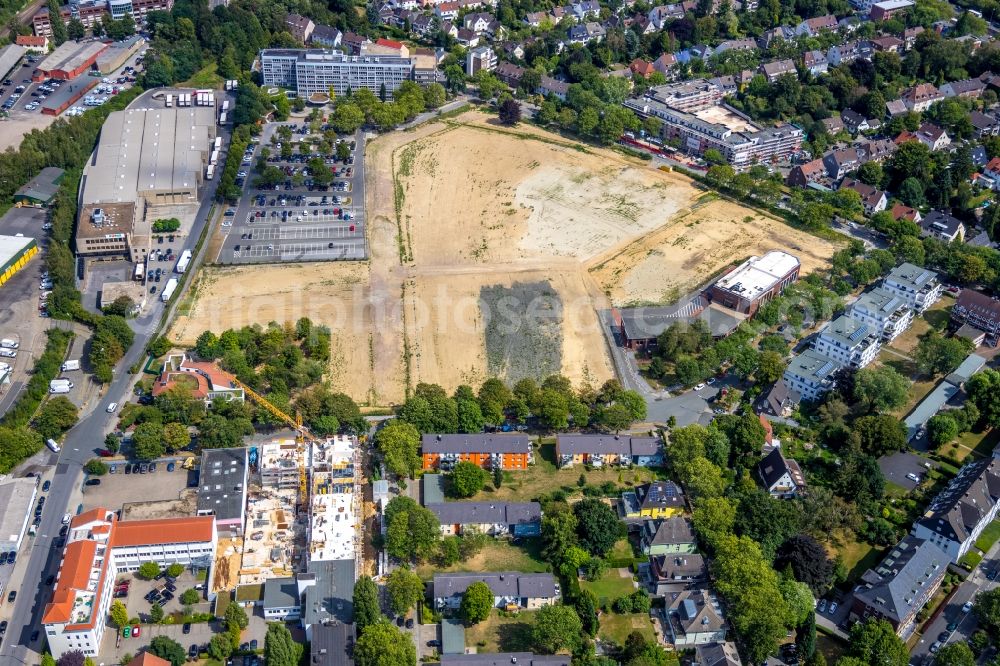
(51, 443)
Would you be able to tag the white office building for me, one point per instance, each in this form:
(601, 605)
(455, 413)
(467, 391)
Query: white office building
(98, 548)
(310, 71)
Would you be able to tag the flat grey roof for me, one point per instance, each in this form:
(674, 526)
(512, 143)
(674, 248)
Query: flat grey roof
(330, 645)
(16, 498)
(69, 92)
(223, 483)
(433, 489)
(331, 597)
(280, 593)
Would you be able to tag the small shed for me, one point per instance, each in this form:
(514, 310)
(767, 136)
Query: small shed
(40, 190)
(452, 637)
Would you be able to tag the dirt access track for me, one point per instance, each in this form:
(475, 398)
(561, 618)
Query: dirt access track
(491, 251)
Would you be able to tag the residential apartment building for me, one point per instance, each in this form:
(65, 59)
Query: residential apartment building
(918, 287)
(942, 226)
(509, 452)
(310, 71)
(99, 546)
(811, 374)
(884, 312)
(658, 499)
(674, 573)
(975, 309)
(960, 512)
(511, 589)
(89, 13)
(601, 450)
(920, 97)
(849, 342)
(755, 282)
(494, 518)
(300, 27)
(901, 584)
(873, 200)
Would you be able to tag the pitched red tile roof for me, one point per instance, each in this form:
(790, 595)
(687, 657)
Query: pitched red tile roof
(390, 43)
(163, 531)
(74, 574)
(147, 659)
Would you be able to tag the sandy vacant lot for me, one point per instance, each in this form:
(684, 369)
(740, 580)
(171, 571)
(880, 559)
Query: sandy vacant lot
(13, 129)
(492, 250)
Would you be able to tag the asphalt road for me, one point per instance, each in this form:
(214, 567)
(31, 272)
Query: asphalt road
(78, 447)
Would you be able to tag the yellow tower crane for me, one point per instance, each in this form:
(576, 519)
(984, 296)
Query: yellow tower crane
(302, 434)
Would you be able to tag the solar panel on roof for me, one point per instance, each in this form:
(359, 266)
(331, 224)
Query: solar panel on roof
(824, 369)
(861, 332)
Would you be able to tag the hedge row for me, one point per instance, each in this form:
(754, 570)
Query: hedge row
(47, 368)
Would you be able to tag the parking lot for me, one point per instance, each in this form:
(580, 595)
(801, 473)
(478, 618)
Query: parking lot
(118, 488)
(297, 220)
(904, 469)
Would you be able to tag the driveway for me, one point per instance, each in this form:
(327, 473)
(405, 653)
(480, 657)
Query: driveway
(896, 466)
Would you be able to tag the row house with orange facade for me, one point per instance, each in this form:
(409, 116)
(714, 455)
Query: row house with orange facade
(601, 450)
(488, 450)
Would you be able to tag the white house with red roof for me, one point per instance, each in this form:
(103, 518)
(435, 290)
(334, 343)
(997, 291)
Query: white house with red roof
(98, 548)
(205, 379)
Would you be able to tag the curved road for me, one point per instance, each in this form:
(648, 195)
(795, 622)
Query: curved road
(78, 447)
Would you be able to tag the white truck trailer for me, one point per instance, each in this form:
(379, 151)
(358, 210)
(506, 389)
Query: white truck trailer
(168, 290)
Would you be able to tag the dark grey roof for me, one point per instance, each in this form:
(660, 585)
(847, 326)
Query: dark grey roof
(502, 583)
(966, 501)
(671, 531)
(940, 222)
(894, 588)
(624, 445)
(480, 513)
(280, 593)
(717, 654)
(331, 597)
(696, 610)
(43, 186)
(645, 446)
(679, 566)
(781, 396)
(476, 443)
(331, 645)
(504, 659)
(326, 34)
(660, 494)
(222, 489)
(775, 465)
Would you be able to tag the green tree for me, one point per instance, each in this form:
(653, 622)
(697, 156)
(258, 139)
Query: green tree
(75, 29)
(878, 434)
(874, 643)
(556, 627)
(467, 479)
(955, 654)
(167, 648)
(558, 531)
(190, 597)
(366, 606)
(384, 645)
(880, 389)
(770, 367)
(148, 570)
(95, 467)
(477, 601)
(174, 570)
(398, 442)
(280, 649)
(405, 590)
(938, 355)
(236, 616)
(175, 437)
(598, 526)
(147, 441)
(156, 613)
(55, 417)
(118, 613)
(942, 429)
(112, 443)
(220, 647)
(413, 531)
(58, 26)
(434, 95)
(987, 609)
(347, 118)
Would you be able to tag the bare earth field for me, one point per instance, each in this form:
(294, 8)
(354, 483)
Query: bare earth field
(506, 243)
(12, 131)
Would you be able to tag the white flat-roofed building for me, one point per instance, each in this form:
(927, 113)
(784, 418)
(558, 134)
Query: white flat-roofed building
(849, 342)
(883, 311)
(919, 287)
(16, 497)
(335, 499)
(811, 374)
(311, 71)
(755, 282)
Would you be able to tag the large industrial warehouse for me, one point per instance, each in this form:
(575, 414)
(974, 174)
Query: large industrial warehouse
(146, 161)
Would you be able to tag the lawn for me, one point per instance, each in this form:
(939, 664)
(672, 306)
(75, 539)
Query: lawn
(616, 627)
(502, 634)
(976, 444)
(989, 536)
(204, 78)
(497, 555)
(935, 317)
(832, 647)
(857, 556)
(613, 584)
(543, 477)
